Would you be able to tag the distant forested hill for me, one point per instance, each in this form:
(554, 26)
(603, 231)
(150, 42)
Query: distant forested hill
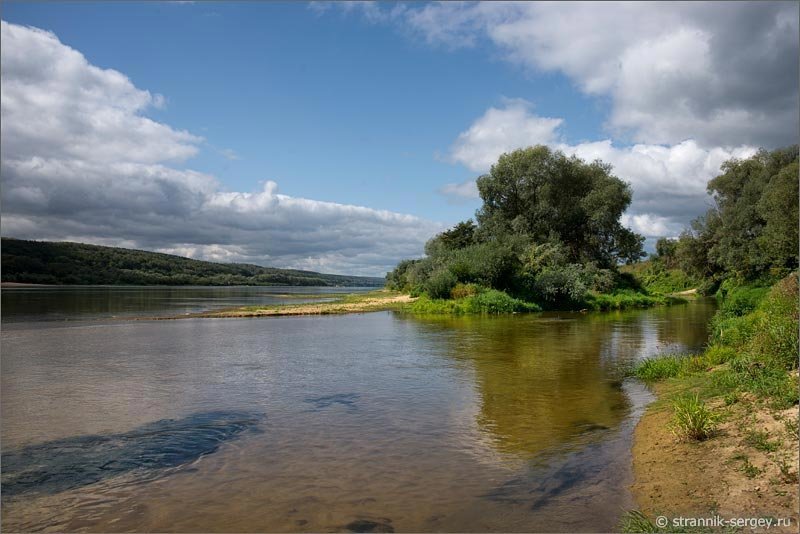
(42, 262)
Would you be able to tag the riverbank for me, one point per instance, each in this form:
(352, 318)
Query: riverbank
(748, 468)
(485, 302)
(734, 453)
(372, 301)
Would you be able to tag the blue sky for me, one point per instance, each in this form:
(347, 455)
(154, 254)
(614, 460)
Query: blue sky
(327, 106)
(387, 107)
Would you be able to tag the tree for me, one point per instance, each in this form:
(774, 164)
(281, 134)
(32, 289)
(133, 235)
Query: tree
(753, 226)
(551, 197)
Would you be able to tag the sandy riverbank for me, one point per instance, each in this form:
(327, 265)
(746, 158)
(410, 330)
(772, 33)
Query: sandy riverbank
(354, 303)
(733, 474)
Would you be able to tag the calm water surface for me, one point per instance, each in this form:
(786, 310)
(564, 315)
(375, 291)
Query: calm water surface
(372, 422)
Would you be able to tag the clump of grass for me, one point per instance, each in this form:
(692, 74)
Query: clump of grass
(759, 440)
(654, 369)
(636, 521)
(692, 419)
(673, 365)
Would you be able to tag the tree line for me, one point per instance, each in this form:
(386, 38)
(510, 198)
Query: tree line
(42, 262)
(549, 232)
(750, 234)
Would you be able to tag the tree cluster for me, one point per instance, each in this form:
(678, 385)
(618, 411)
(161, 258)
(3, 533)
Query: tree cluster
(549, 231)
(752, 229)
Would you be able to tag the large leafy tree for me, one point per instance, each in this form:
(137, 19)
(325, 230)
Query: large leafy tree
(753, 225)
(550, 197)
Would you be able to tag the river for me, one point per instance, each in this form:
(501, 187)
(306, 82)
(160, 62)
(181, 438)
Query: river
(369, 422)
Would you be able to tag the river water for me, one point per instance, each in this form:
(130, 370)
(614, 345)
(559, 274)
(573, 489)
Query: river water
(370, 422)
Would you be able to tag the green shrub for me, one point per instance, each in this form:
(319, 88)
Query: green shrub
(692, 419)
(440, 284)
(626, 299)
(493, 301)
(775, 341)
(717, 354)
(740, 300)
(489, 301)
(733, 331)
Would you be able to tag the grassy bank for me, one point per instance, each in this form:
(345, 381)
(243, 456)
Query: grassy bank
(465, 300)
(722, 437)
(657, 279)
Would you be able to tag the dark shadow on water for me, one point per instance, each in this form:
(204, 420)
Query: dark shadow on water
(69, 463)
(348, 400)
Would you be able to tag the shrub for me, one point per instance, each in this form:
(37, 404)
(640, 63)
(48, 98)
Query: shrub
(732, 331)
(625, 299)
(692, 419)
(740, 300)
(440, 284)
(461, 291)
(489, 301)
(493, 301)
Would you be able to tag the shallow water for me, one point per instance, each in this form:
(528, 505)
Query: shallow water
(372, 422)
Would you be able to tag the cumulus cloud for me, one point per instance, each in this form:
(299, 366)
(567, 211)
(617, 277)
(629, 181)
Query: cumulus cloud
(668, 182)
(722, 73)
(500, 130)
(82, 162)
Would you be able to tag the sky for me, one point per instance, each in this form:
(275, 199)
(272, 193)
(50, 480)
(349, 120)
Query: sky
(339, 137)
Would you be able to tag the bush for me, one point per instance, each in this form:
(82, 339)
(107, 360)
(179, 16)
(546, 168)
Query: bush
(739, 301)
(692, 419)
(627, 299)
(489, 301)
(461, 291)
(493, 301)
(440, 284)
(775, 341)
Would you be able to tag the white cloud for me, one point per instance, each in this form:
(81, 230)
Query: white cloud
(81, 162)
(722, 73)
(668, 182)
(501, 130)
(464, 190)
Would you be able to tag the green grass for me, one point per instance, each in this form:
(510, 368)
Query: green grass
(635, 521)
(692, 419)
(749, 353)
(488, 301)
(627, 299)
(656, 279)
